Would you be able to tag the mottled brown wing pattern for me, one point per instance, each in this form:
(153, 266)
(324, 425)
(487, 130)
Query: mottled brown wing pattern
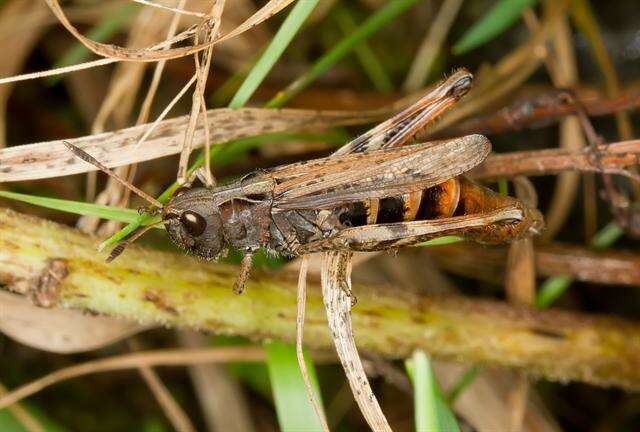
(333, 181)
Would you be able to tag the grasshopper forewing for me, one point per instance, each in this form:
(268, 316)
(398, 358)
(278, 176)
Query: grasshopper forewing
(338, 180)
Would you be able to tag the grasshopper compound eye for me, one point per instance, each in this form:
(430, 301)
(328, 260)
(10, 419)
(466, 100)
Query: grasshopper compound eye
(193, 223)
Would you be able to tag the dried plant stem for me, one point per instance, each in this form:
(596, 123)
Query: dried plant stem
(23, 416)
(564, 73)
(155, 52)
(612, 158)
(57, 71)
(578, 262)
(172, 410)
(544, 108)
(520, 286)
(175, 290)
(508, 74)
(222, 400)
(203, 65)
(175, 357)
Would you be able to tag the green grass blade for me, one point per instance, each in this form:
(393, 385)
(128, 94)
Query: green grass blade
(278, 44)
(551, 289)
(389, 11)
(431, 411)
(606, 237)
(554, 287)
(439, 241)
(8, 422)
(367, 57)
(501, 16)
(103, 31)
(503, 186)
(294, 409)
(463, 382)
(76, 207)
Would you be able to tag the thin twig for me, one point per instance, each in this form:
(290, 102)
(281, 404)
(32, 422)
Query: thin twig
(618, 268)
(611, 158)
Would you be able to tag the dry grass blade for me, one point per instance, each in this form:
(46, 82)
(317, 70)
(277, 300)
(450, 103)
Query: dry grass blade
(561, 65)
(145, 108)
(148, 26)
(544, 108)
(431, 45)
(175, 357)
(612, 158)
(336, 288)
(178, 10)
(178, 418)
(52, 159)
(586, 21)
(155, 53)
(23, 416)
(197, 101)
(520, 286)
(148, 54)
(57, 71)
(300, 309)
(221, 396)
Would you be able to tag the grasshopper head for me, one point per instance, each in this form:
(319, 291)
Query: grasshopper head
(193, 222)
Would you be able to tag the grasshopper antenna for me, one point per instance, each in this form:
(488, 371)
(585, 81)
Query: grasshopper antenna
(120, 247)
(93, 161)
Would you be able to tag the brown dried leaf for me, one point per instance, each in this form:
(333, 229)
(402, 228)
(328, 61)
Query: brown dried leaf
(59, 330)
